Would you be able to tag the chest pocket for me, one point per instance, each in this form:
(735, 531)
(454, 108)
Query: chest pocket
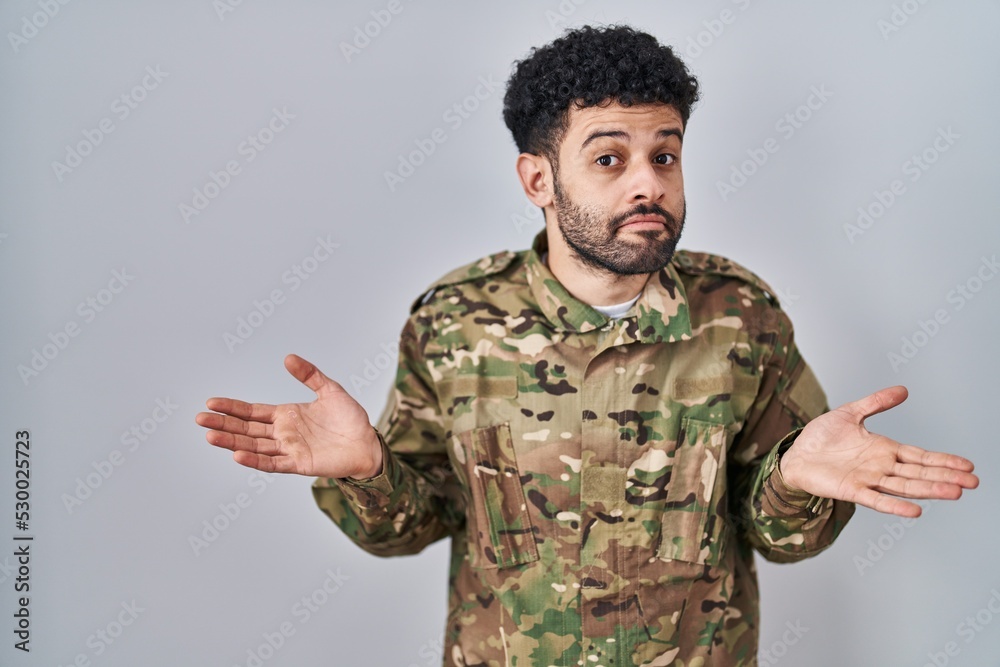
(692, 526)
(499, 528)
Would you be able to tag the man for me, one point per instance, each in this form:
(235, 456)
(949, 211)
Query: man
(606, 428)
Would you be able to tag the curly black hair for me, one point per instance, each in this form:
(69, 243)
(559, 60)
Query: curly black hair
(589, 67)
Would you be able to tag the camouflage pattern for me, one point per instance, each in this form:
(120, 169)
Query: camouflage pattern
(604, 482)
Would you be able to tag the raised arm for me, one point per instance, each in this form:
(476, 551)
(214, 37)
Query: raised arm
(800, 488)
(836, 456)
(329, 437)
(391, 489)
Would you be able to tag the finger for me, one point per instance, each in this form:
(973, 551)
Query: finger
(912, 454)
(229, 424)
(263, 463)
(308, 374)
(242, 443)
(258, 412)
(918, 488)
(881, 502)
(936, 474)
(880, 401)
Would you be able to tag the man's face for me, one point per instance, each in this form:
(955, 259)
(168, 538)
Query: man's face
(619, 191)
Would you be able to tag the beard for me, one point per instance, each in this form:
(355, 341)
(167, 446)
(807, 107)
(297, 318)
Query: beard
(594, 236)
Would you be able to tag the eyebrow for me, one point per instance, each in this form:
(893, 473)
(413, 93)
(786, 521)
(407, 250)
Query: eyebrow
(625, 136)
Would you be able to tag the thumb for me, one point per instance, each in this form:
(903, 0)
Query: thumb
(880, 401)
(307, 373)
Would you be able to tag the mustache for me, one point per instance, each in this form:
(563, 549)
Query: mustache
(644, 209)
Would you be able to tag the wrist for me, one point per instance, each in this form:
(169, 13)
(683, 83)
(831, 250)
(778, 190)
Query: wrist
(786, 465)
(375, 447)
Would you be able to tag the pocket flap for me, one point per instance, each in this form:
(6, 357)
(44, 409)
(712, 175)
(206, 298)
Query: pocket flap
(692, 493)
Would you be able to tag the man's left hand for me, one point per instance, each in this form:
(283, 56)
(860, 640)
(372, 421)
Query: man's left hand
(835, 456)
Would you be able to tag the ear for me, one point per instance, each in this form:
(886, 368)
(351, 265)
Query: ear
(535, 173)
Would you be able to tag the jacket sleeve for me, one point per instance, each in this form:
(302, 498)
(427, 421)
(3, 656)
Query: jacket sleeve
(416, 499)
(783, 523)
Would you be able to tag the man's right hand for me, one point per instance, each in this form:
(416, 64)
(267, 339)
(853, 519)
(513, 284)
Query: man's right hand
(330, 437)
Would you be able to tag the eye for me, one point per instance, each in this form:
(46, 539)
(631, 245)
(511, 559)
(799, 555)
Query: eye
(664, 158)
(607, 160)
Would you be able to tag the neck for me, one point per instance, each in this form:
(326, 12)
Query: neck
(592, 285)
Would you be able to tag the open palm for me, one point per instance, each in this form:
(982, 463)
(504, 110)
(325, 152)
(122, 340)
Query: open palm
(835, 456)
(329, 437)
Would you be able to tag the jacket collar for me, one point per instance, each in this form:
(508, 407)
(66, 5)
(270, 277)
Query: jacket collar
(660, 314)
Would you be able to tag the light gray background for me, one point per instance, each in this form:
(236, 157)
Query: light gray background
(162, 337)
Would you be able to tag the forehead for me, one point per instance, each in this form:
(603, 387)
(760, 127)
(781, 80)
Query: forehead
(637, 119)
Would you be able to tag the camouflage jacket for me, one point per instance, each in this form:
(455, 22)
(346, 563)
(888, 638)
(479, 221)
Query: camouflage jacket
(604, 482)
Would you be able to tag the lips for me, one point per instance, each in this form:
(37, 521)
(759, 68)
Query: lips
(644, 222)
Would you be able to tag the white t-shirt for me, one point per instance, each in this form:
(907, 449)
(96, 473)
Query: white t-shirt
(617, 310)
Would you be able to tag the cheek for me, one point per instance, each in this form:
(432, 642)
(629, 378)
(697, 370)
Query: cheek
(674, 189)
(588, 205)
(674, 182)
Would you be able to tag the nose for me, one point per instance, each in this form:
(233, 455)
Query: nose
(645, 184)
